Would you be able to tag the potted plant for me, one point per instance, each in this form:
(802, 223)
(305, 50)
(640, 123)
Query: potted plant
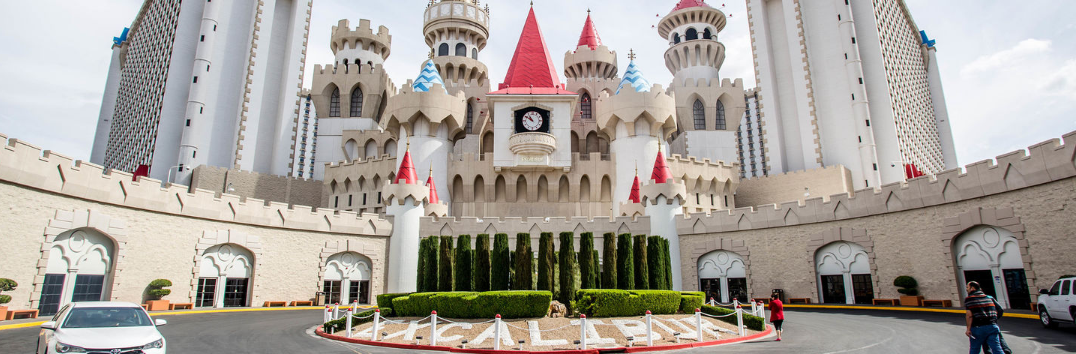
(907, 288)
(156, 292)
(5, 285)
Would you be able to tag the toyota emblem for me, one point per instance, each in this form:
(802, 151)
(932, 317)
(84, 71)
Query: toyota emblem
(115, 351)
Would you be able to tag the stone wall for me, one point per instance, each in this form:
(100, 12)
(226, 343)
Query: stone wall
(288, 190)
(785, 187)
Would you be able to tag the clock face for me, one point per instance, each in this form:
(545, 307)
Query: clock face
(532, 120)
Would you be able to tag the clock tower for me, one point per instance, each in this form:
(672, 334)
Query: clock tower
(532, 110)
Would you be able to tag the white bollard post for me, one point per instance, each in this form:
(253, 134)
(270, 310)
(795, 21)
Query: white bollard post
(735, 302)
(762, 310)
(328, 316)
(336, 311)
(355, 306)
(348, 322)
(583, 332)
(497, 332)
(698, 324)
(739, 320)
(712, 301)
(754, 307)
(377, 323)
(649, 330)
(433, 327)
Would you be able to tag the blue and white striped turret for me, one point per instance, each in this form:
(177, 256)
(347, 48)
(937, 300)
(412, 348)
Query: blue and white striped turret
(427, 78)
(634, 78)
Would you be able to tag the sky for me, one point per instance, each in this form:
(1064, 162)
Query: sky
(1009, 71)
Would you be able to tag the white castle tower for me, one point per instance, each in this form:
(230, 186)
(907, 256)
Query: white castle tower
(456, 32)
(662, 199)
(405, 200)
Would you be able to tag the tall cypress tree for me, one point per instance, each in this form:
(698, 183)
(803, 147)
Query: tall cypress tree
(482, 263)
(545, 261)
(656, 262)
(501, 263)
(642, 275)
(432, 264)
(609, 261)
(586, 261)
(524, 277)
(625, 266)
(463, 263)
(444, 280)
(668, 264)
(567, 267)
(420, 278)
(596, 266)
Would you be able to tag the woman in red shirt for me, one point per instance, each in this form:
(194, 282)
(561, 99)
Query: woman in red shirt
(777, 314)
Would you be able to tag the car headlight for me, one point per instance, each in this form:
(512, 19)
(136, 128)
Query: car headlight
(157, 344)
(64, 348)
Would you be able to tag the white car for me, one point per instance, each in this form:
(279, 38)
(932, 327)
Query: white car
(101, 327)
(1059, 303)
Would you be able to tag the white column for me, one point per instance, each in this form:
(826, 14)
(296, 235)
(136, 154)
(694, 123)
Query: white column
(427, 149)
(725, 289)
(345, 290)
(218, 292)
(629, 151)
(69, 287)
(403, 245)
(849, 291)
(663, 223)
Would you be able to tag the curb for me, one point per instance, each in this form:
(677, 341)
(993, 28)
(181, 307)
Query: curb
(319, 332)
(179, 313)
(909, 309)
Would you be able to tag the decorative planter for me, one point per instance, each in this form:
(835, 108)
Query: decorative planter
(3, 312)
(911, 300)
(157, 305)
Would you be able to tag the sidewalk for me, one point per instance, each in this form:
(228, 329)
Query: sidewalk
(33, 322)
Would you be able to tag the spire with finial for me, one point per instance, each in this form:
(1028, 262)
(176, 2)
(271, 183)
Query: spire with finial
(634, 195)
(433, 188)
(661, 170)
(428, 77)
(589, 37)
(633, 77)
(406, 173)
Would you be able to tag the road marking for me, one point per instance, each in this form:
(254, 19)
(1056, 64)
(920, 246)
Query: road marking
(911, 309)
(891, 333)
(21, 325)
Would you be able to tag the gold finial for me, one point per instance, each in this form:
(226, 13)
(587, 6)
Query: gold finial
(532, 3)
(631, 54)
(431, 53)
(409, 144)
(588, 11)
(431, 168)
(659, 145)
(636, 167)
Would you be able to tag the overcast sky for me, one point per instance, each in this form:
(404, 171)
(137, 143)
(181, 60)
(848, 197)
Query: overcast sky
(1008, 69)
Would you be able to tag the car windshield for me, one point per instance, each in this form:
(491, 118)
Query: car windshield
(97, 317)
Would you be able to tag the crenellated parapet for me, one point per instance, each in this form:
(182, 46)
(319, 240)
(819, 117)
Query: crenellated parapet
(397, 194)
(631, 113)
(371, 80)
(671, 190)
(434, 107)
(27, 165)
(587, 63)
(534, 225)
(448, 19)
(361, 38)
(709, 92)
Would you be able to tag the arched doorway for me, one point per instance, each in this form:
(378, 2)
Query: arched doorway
(844, 274)
(991, 256)
(347, 279)
(79, 269)
(224, 276)
(723, 276)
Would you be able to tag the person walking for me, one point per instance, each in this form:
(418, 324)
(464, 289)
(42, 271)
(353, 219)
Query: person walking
(981, 319)
(777, 314)
(1001, 338)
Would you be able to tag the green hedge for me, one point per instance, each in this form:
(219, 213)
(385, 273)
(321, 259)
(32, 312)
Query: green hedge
(751, 321)
(509, 304)
(384, 301)
(691, 300)
(613, 303)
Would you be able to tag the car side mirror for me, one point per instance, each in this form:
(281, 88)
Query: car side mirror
(1044, 292)
(49, 325)
(158, 322)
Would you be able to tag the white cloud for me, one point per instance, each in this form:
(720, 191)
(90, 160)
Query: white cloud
(1013, 56)
(1062, 82)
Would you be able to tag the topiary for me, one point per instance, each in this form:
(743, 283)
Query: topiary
(907, 285)
(157, 288)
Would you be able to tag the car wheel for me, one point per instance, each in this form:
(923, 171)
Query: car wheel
(1046, 320)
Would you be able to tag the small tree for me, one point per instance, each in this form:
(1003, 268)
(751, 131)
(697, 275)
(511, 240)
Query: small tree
(907, 285)
(464, 262)
(609, 261)
(567, 268)
(656, 262)
(501, 260)
(157, 288)
(444, 279)
(9, 285)
(482, 263)
(546, 261)
(625, 265)
(587, 271)
(642, 274)
(431, 263)
(420, 278)
(596, 266)
(524, 277)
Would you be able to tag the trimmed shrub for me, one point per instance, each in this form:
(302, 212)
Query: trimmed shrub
(546, 262)
(567, 268)
(668, 263)
(587, 263)
(431, 264)
(751, 321)
(655, 263)
(420, 277)
(482, 263)
(509, 304)
(691, 300)
(625, 279)
(614, 303)
(596, 267)
(384, 301)
(501, 263)
(463, 262)
(642, 274)
(907, 285)
(523, 279)
(444, 278)
(609, 261)
(157, 288)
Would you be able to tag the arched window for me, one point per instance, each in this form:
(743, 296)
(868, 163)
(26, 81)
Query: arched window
(700, 115)
(474, 53)
(470, 118)
(461, 50)
(334, 103)
(356, 102)
(706, 34)
(442, 50)
(691, 34)
(585, 108)
(720, 116)
(676, 38)
(345, 66)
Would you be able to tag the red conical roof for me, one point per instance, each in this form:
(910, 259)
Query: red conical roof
(634, 196)
(661, 170)
(532, 68)
(589, 37)
(407, 170)
(683, 4)
(433, 189)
